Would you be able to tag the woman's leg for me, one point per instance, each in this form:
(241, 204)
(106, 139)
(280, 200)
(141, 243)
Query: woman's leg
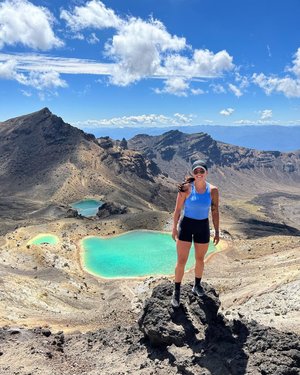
(183, 250)
(200, 251)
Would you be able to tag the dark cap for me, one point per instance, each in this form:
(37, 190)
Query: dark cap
(199, 164)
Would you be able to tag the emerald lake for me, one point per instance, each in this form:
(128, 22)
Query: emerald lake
(133, 254)
(87, 207)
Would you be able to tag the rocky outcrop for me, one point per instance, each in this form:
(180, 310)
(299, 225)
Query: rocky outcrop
(111, 208)
(199, 340)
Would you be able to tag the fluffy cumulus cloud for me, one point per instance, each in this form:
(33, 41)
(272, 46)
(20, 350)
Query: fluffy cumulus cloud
(287, 85)
(42, 80)
(138, 121)
(227, 112)
(296, 64)
(290, 87)
(93, 15)
(138, 49)
(177, 86)
(266, 114)
(21, 22)
(203, 64)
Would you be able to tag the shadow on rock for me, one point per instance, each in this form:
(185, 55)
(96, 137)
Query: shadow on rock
(194, 337)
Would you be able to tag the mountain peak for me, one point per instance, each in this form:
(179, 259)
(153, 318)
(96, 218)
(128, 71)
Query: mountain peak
(45, 111)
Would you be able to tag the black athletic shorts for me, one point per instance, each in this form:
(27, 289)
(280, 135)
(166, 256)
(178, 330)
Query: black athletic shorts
(190, 229)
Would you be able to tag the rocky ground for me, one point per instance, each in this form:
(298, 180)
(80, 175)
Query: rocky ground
(193, 339)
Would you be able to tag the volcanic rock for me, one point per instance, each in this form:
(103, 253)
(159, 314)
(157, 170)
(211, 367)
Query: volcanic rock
(111, 208)
(195, 337)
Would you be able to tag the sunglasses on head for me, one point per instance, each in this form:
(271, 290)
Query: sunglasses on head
(199, 171)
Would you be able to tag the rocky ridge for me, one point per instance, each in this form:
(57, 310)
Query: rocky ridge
(174, 152)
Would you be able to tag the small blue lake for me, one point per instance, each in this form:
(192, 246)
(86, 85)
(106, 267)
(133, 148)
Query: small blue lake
(44, 238)
(87, 207)
(133, 254)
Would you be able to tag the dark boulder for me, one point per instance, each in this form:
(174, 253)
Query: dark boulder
(71, 212)
(197, 339)
(111, 208)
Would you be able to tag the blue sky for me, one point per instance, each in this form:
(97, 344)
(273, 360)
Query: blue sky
(150, 63)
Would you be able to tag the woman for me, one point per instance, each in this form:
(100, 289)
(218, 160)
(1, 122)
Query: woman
(195, 196)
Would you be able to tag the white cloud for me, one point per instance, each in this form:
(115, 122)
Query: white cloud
(245, 122)
(197, 91)
(203, 64)
(93, 15)
(266, 114)
(42, 80)
(237, 92)
(24, 23)
(39, 80)
(182, 118)
(7, 69)
(288, 86)
(41, 63)
(176, 86)
(217, 88)
(138, 121)
(227, 112)
(256, 122)
(26, 93)
(296, 64)
(92, 39)
(242, 80)
(138, 47)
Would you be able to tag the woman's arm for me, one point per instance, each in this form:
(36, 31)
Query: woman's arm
(179, 204)
(215, 213)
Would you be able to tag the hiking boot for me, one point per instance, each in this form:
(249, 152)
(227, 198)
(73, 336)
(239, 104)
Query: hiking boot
(198, 290)
(175, 301)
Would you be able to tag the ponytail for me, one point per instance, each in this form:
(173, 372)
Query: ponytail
(184, 185)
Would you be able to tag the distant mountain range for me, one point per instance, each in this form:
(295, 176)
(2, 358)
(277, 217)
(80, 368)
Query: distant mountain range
(239, 170)
(259, 137)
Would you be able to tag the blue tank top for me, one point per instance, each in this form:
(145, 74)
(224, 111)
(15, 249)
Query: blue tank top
(197, 205)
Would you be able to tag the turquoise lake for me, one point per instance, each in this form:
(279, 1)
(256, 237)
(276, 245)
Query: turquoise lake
(133, 254)
(44, 238)
(87, 207)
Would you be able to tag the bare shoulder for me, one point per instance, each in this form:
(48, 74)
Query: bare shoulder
(213, 188)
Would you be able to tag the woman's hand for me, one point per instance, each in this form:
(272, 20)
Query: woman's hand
(175, 234)
(216, 238)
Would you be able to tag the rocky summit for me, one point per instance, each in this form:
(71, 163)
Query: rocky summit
(198, 340)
